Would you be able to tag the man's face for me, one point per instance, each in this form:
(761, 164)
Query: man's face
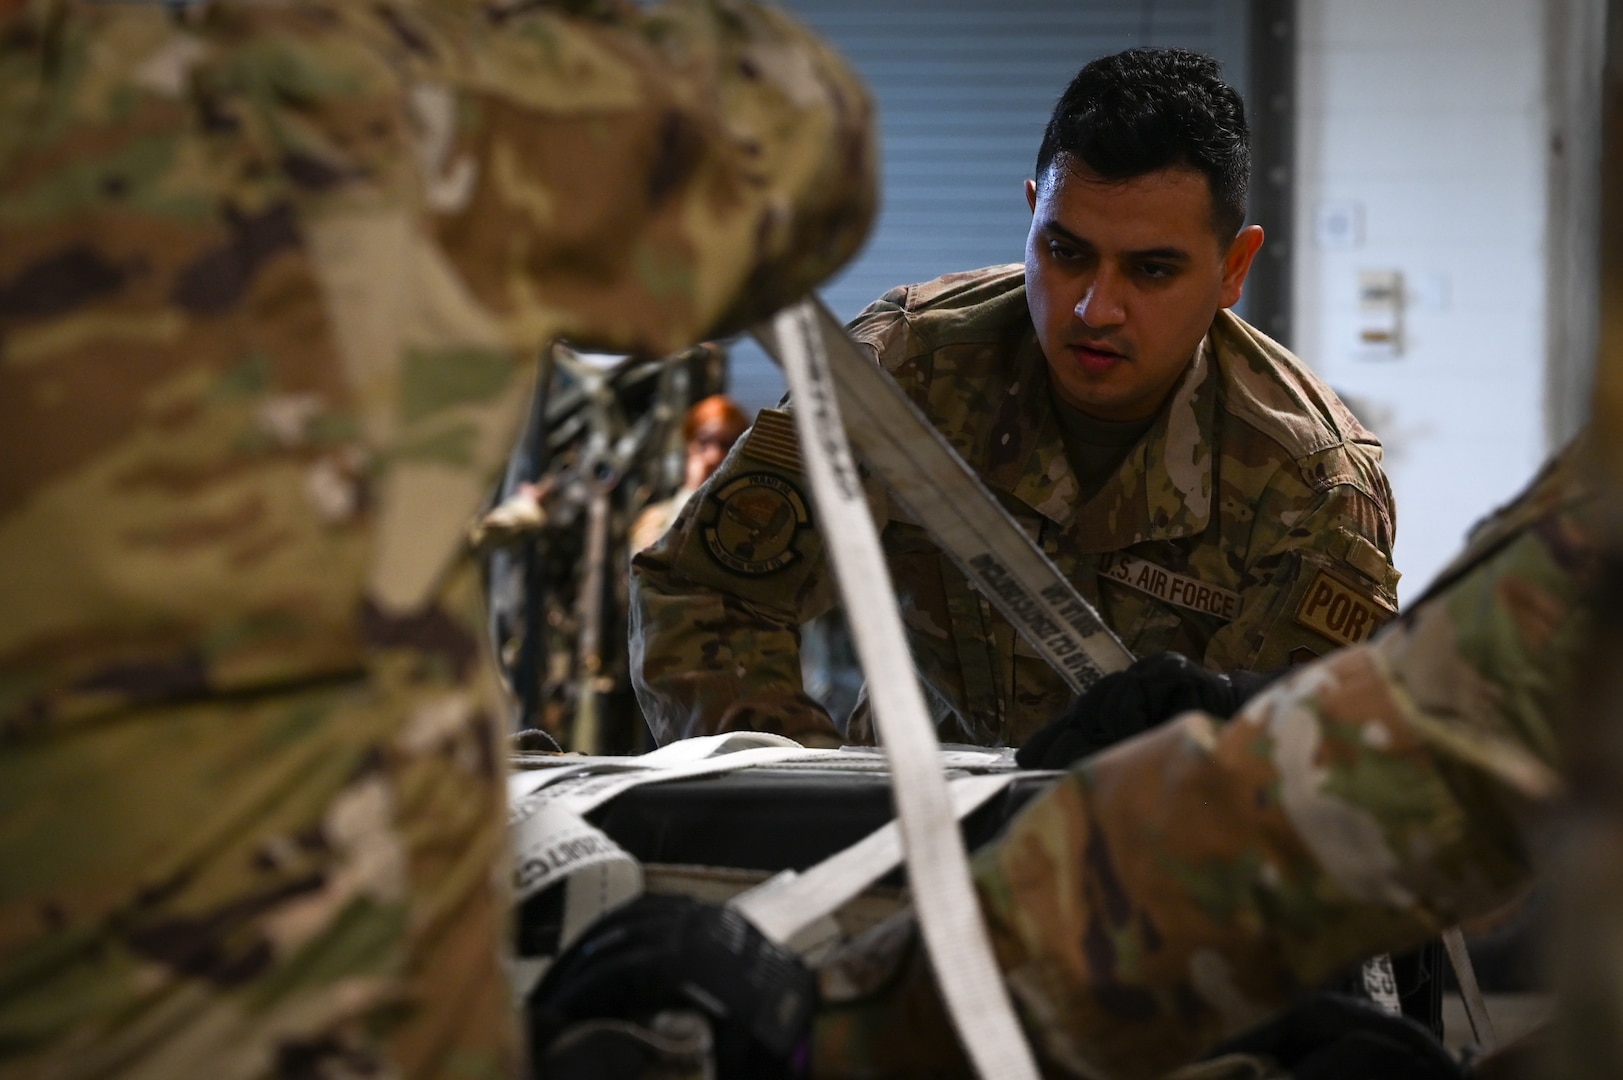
(1123, 279)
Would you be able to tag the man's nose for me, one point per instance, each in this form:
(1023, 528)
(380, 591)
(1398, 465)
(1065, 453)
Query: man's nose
(1101, 303)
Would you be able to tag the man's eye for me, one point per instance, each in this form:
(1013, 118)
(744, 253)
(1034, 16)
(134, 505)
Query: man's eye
(1064, 252)
(1157, 271)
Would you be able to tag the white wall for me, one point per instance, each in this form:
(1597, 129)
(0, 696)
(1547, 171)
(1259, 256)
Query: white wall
(1427, 120)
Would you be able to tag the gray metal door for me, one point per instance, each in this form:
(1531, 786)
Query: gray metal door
(964, 88)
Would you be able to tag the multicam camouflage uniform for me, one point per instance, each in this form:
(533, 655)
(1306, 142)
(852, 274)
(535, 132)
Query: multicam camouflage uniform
(1184, 885)
(269, 275)
(1586, 956)
(1252, 527)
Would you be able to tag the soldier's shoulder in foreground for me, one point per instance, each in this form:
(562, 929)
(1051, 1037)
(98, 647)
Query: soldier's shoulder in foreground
(1564, 488)
(1302, 491)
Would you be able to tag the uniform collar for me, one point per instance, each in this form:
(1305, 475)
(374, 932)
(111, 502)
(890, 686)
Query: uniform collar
(1164, 488)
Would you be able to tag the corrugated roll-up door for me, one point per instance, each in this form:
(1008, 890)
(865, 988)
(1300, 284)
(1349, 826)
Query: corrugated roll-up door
(964, 88)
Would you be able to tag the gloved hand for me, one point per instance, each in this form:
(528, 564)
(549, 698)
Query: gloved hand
(1120, 705)
(662, 953)
(1332, 1037)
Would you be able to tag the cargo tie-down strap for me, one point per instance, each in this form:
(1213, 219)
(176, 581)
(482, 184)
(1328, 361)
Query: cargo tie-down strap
(942, 493)
(840, 390)
(554, 844)
(829, 374)
(804, 338)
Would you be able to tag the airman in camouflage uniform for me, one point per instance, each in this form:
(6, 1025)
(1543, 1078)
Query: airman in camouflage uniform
(1385, 792)
(1245, 520)
(1585, 957)
(1186, 884)
(269, 276)
(1252, 527)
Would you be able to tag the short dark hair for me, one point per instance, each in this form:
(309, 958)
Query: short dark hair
(1148, 109)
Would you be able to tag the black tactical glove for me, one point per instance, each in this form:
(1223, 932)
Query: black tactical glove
(666, 953)
(1332, 1037)
(1119, 706)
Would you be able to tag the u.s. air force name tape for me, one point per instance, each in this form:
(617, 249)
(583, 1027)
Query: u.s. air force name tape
(948, 499)
(938, 870)
(1170, 587)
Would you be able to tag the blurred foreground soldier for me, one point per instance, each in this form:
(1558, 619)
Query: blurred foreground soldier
(270, 277)
(1195, 481)
(1188, 884)
(709, 431)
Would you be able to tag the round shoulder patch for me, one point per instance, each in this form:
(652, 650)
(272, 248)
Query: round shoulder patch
(756, 517)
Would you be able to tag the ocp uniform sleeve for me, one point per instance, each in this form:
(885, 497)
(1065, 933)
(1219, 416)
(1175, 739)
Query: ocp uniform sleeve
(732, 166)
(1318, 570)
(270, 279)
(703, 660)
(1187, 884)
(718, 602)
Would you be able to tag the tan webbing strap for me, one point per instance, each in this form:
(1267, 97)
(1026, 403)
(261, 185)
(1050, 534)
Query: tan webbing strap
(786, 905)
(1476, 1008)
(942, 493)
(949, 915)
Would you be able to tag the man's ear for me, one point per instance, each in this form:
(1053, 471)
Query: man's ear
(1237, 264)
(1031, 195)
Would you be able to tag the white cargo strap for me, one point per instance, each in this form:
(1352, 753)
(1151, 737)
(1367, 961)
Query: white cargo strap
(786, 905)
(585, 783)
(553, 844)
(1380, 982)
(949, 916)
(943, 494)
(1476, 1007)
